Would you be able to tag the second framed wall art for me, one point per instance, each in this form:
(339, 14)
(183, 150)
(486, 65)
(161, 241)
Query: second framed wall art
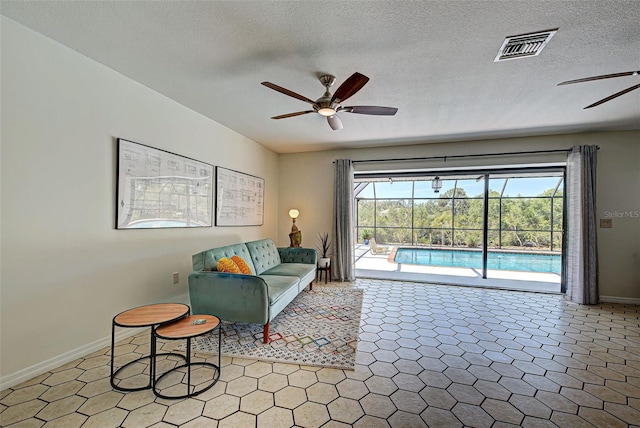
(239, 198)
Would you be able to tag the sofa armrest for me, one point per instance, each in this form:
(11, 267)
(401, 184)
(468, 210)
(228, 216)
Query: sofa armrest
(231, 297)
(298, 255)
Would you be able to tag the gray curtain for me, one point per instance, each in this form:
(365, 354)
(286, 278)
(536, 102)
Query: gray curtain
(580, 267)
(343, 205)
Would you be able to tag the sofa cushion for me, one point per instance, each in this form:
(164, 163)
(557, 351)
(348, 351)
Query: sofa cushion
(304, 271)
(208, 260)
(299, 270)
(278, 286)
(264, 255)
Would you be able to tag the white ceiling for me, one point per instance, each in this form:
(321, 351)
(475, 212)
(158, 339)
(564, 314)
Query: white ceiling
(433, 60)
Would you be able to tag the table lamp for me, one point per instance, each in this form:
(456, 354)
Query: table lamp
(295, 236)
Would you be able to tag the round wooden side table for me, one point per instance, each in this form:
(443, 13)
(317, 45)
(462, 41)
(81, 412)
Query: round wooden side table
(145, 316)
(187, 328)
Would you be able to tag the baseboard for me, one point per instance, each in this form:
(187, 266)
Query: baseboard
(60, 360)
(622, 300)
(37, 369)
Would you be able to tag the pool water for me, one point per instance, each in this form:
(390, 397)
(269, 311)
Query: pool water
(499, 260)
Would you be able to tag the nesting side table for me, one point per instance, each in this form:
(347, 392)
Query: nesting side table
(145, 316)
(187, 328)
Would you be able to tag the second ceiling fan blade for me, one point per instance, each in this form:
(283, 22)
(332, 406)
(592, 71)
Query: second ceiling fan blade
(349, 87)
(288, 92)
(616, 95)
(603, 76)
(298, 113)
(375, 110)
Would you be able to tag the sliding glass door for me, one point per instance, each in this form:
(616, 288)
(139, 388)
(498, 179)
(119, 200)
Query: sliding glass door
(525, 223)
(491, 222)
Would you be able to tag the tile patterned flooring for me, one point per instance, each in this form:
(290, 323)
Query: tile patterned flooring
(429, 355)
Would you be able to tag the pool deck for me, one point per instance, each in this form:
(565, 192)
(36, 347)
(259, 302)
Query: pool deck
(378, 266)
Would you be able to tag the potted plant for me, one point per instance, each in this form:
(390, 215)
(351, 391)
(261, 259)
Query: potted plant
(366, 235)
(324, 250)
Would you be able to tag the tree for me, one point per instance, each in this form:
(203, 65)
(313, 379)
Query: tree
(459, 221)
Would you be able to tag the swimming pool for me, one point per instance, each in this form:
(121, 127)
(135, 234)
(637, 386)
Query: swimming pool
(527, 262)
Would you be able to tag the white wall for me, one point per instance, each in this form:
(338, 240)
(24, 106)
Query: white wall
(306, 182)
(65, 270)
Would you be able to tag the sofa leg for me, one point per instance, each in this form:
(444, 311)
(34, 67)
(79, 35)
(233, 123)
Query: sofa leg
(265, 334)
(311, 286)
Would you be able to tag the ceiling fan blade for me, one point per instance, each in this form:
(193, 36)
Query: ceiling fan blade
(334, 122)
(376, 110)
(616, 95)
(288, 92)
(604, 76)
(298, 113)
(349, 87)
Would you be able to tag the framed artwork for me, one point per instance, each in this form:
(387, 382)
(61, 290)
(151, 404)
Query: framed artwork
(159, 189)
(239, 198)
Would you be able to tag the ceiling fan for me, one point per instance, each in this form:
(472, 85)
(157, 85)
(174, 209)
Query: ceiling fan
(606, 76)
(329, 105)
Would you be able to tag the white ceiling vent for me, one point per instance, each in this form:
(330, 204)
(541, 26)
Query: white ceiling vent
(524, 45)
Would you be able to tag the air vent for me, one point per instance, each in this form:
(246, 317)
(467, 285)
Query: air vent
(524, 45)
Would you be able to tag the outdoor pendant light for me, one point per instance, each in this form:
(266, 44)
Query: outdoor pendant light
(436, 185)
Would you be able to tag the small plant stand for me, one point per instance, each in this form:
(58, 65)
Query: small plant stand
(327, 273)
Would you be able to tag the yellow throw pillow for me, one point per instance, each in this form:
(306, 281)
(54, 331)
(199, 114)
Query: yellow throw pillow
(242, 265)
(227, 265)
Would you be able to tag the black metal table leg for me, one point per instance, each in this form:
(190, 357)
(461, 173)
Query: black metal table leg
(166, 332)
(144, 316)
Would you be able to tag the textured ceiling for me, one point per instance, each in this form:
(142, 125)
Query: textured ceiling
(433, 60)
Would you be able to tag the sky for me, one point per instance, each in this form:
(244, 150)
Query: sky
(529, 186)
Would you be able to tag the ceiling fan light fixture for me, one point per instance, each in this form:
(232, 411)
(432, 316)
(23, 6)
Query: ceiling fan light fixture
(334, 122)
(330, 105)
(326, 111)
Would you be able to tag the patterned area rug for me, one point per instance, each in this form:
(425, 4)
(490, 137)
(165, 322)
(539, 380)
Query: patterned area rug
(318, 328)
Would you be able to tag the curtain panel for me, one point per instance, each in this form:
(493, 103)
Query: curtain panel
(580, 269)
(344, 214)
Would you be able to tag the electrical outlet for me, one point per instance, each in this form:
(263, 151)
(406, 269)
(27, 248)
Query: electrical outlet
(606, 223)
(176, 277)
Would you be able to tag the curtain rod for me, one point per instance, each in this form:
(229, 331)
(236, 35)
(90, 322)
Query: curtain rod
(465, 156)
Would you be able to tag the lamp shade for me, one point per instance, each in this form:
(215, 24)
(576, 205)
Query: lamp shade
(294, 213)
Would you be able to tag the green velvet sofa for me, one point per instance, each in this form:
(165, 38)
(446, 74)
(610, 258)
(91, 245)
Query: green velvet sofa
(279, 275)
